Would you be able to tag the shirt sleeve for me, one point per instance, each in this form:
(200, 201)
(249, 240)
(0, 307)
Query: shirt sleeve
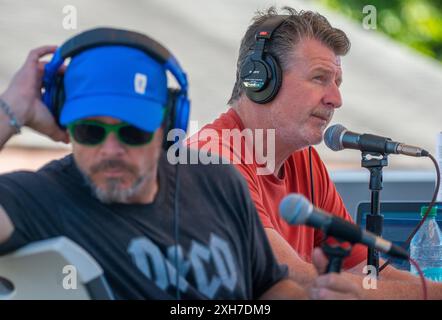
(255, 195)
(30, 219)
(331, 201)
(227, 151)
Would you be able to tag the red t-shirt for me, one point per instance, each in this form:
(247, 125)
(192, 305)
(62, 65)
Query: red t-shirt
(267, 191)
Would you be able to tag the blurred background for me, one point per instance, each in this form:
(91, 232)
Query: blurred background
(392, 75)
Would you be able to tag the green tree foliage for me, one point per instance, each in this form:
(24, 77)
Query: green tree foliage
(417, 23)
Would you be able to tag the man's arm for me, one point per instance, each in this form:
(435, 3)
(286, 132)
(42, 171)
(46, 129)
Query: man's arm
(299, 270)
(389, 273)
(393, 283)
(23, 97)
(6, 227)
(285, 290)
(349, 286)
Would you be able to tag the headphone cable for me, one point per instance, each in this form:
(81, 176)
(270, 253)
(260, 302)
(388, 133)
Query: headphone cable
(176, 228)
(312, 185)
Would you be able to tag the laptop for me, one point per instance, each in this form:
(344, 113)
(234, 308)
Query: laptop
(400, 219)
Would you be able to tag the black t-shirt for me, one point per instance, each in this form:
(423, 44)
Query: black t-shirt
(222, 247)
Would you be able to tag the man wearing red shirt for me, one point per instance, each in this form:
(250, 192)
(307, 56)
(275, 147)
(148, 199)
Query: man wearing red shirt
(286, 91)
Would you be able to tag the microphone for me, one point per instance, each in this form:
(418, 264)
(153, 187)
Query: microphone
(296, 209)
(337, 138)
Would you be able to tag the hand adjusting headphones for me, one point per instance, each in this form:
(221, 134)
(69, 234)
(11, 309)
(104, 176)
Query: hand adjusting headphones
(178, 105)
(261, 74)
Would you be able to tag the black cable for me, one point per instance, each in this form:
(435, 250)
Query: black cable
(431, 205)
(176, 228)
(312, 186)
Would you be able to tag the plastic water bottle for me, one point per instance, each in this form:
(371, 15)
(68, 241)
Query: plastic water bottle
(426, 247)
(439, 161)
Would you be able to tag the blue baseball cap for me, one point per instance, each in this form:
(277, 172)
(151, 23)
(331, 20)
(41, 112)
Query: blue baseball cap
(115, 81)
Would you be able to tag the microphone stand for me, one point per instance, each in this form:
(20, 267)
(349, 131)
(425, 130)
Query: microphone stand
(335, 254)
(374, 162)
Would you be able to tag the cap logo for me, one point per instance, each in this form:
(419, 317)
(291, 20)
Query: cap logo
(140, 83)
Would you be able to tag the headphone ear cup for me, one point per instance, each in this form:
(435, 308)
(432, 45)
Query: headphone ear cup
(177, 114)
(169, 116)
(182, 112)
(276, 80)
(254, 76)
(271, 86)
(59, 97)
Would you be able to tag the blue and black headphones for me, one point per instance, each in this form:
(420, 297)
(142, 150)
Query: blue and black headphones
(178, 105)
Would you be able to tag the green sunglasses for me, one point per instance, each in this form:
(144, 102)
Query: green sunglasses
(92, 133)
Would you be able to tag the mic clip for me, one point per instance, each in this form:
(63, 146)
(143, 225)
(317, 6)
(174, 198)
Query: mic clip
(374, 159)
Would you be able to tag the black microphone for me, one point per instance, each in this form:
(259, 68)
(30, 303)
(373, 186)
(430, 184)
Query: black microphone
(337, 138)
(296, 209)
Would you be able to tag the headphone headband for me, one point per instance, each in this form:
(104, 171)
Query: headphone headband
(269, 26)
(53, 85)
(109, 36)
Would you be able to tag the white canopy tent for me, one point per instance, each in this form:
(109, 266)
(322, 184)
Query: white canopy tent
(388, 89)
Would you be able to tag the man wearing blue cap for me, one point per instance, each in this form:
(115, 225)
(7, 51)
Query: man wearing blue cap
(117, 196)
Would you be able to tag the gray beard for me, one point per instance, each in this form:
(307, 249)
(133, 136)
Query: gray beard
(112, 193)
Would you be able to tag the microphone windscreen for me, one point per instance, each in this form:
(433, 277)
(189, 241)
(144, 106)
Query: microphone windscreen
(332, 137)
(295, 208)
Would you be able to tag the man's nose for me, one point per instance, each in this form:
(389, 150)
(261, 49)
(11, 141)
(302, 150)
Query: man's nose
(111, 146)
(333, 97)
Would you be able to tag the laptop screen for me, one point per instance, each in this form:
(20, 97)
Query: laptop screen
(400, 218)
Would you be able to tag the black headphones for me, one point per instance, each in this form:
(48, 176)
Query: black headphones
(178, 105)
(261, 74)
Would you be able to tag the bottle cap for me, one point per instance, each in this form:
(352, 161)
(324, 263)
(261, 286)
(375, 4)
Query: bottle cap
(432, 214)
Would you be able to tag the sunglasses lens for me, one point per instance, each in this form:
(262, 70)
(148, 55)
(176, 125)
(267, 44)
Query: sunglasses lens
(134, 136)
(88, 133)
